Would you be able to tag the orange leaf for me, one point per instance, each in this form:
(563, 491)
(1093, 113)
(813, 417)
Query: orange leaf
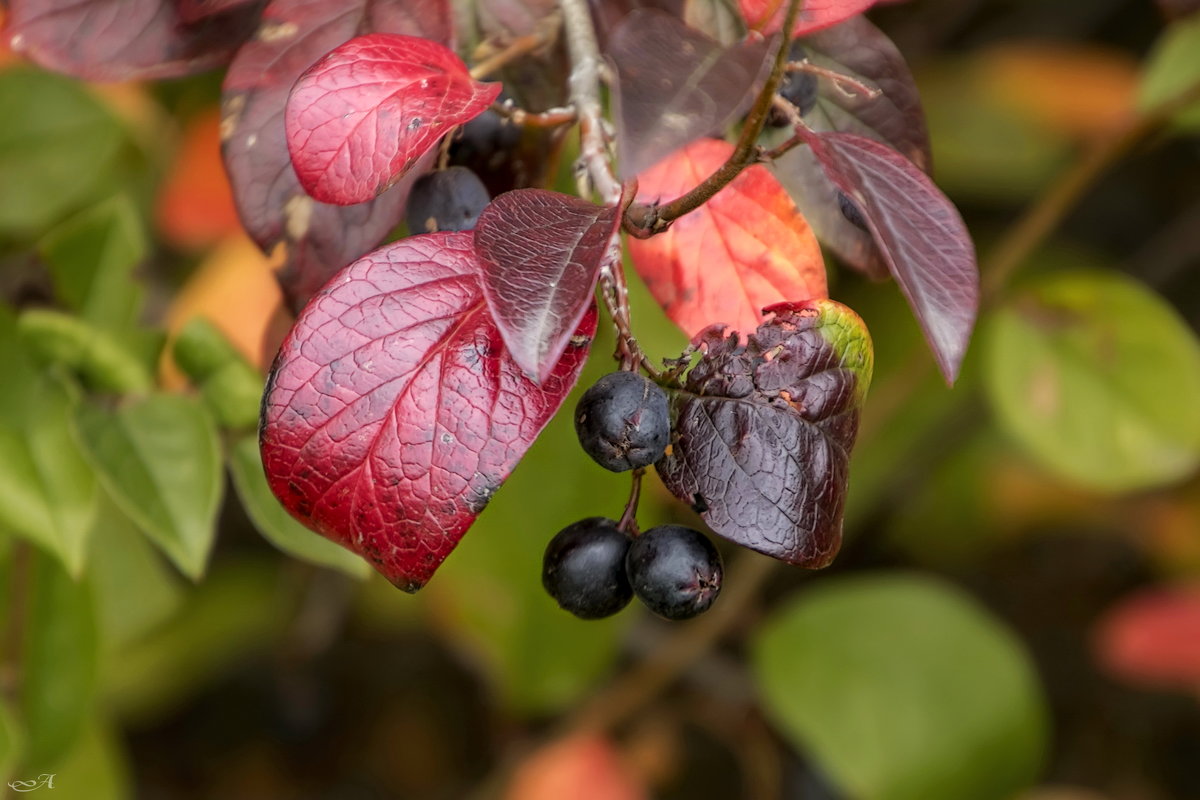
(1153, 637)
(583, 767)
(195, 206)
(746, 248)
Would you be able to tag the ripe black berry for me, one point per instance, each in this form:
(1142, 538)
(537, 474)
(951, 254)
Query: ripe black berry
(622, 421)
(798, 88)
(851, 211)
(675, 571)
(447, 200)
(584, 568)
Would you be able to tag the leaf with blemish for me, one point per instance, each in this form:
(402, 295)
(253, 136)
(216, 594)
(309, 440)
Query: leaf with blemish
(361, 117)
(394, 411)
(320, 238)
(675, 84)
(541, 254)
(762, 432)
(920, 236)
(859, 50)
(746, 248)
(115, 40)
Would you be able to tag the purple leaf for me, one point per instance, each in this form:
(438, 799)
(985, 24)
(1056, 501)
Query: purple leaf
(918, 232)
(393, 411)
(541, 253)
(116, 40)
(860, 50)
(674, 85)
(362, 116)
(762, 432)
(320, 238)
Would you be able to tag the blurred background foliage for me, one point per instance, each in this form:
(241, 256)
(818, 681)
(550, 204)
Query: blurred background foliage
(1016, 612)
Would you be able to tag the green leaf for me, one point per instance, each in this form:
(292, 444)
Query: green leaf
(1172, 68)
(1098, 378)
(159, 458)
(100, 358)
(91, 259)
(59, 662)
(275, 524)
(11, 743)
(900, 687)
(135, 590)
(94, 769)
(232, 388)
(48, 491)
(57, 143)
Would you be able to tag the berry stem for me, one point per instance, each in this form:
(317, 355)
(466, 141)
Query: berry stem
(628, 520)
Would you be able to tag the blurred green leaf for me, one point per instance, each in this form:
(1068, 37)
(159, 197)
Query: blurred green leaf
(91, 259)
(232, 388)
(94, 769)
(135, 590)
(57, 143)
(236, 612)
(159, 458)
(97, 356)
(1098, 378)
(11, 744)
(900, 687)
(58, 661)
(275, 524)
(1173, 67)
(48, 491)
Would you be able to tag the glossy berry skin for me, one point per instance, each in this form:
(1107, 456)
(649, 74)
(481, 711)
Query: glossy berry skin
(850, 210)
(675, 571)
(622, 421)
(447, 200)
(798, 88)
(584, 568)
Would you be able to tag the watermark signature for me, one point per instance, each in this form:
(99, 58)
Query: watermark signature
(45, 780)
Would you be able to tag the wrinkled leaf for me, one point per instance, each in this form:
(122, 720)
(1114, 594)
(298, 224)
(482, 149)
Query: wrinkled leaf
(57, 143)
(1098, 378)
(59, 662)
(902, 689)
(762, 433)
(361, 117)
(858, 49)
(1173, 67)
(541, 254)
(91, 259)
(918, 232)
(320, 238)
(674, 85)
(744, 249)
(115, 40)
(159, 459)
(273, 521)
(393, 411)
(767, 16)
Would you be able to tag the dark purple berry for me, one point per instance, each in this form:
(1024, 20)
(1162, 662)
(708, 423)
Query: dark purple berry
(798, 88)
(851, 211)
(584, 568)
(447, 200)
(675, 571)
(622, 421)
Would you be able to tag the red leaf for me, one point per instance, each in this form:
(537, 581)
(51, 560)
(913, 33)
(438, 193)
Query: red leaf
(114, 40)
(1153, 637)
(767, 15)
(320, 238)
(582, 767)
(918, 232)
(675, 85)
(744, 249)
(393, 411)
(541, 254)
(358, 119)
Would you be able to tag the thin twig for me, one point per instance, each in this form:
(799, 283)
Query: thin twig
(839, 79)
(628, 521)
(550, 118)
(584, 84)
(545, 34)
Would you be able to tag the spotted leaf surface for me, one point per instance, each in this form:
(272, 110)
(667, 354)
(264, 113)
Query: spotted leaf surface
(745, 249)
(361, 117)
(393, 410)
(541, 253)
(763, 431)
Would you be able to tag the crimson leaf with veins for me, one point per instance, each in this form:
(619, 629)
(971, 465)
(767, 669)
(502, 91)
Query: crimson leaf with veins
(393, 410)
